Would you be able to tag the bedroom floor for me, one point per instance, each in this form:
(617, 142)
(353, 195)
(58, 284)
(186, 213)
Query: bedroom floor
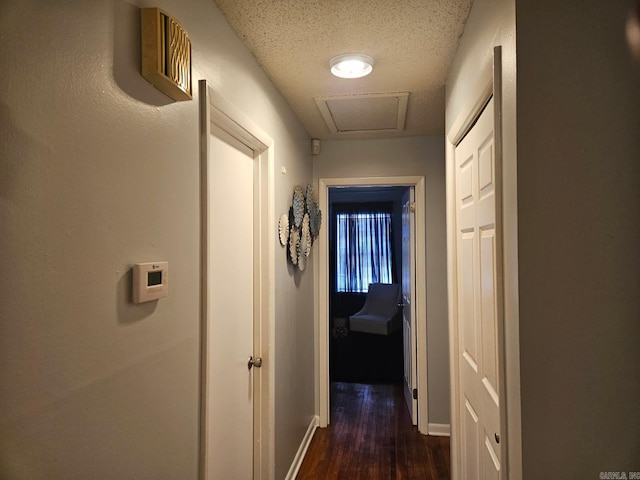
(365, 358)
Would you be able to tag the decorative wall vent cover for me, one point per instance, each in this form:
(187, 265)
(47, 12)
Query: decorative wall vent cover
(166, 54)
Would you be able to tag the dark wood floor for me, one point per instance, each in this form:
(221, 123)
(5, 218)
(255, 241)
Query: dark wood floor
(371, 437)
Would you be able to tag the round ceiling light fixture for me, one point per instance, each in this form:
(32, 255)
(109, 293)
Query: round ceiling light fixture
(351, 65)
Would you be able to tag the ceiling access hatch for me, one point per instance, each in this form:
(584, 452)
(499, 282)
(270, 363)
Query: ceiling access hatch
(366, 113)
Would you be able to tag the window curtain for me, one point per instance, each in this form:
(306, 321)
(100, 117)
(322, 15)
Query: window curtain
(364, 248)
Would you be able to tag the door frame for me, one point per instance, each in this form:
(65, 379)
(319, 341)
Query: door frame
(490, 85)
(322, 279)
(410, 399)
(215, 109)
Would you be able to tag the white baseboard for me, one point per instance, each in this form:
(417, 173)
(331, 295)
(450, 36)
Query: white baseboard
(439, 429)
(302, 450)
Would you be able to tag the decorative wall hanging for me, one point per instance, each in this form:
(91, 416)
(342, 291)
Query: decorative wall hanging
(283, 229)
(298, 206)
(300, 228)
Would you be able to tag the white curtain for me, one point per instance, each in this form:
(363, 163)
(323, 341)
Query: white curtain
(364, 250)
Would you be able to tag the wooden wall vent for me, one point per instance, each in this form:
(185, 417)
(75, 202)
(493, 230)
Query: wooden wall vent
(166, 54)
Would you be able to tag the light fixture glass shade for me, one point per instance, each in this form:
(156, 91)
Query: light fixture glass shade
(351, 65)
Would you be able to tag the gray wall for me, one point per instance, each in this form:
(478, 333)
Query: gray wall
(409, 156)
(579, 237)
(100, 171)
(572, 228)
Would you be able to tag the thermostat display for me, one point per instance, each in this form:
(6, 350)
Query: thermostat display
(150, 281)
(154, 278)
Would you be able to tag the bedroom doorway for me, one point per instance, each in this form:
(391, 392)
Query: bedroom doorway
(365, 227)
(326, 285)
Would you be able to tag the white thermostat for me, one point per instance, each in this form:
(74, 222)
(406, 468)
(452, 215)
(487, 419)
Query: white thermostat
(150, 281)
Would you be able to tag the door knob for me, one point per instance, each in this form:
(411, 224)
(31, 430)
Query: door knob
(254, 363)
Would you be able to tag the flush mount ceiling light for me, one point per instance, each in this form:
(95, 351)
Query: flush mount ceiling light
(351, 65)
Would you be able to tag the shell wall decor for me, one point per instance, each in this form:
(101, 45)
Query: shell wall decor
(299, 229)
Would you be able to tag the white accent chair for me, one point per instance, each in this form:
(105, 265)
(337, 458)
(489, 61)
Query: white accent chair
(381, 313)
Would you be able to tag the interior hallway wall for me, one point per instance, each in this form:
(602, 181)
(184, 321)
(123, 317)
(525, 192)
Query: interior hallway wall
(397, 157)
(579, 237)
(98, 170)
(571, 228)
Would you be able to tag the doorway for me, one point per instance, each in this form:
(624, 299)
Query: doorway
(365, 232)
(236, 412)
(324, 321)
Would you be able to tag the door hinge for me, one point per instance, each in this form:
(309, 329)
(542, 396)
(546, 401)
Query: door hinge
(412, 207)
(415, 393)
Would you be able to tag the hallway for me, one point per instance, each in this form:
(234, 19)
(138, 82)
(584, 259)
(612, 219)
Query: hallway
(371, 437)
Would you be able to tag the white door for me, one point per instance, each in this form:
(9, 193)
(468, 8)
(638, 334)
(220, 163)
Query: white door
(477, 285)
(229, 403)
(408, 310)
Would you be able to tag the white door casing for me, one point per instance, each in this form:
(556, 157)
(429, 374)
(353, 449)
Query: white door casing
(237, 296)
(487, 87)
(408, 314)
(478, 355)
(419, 300)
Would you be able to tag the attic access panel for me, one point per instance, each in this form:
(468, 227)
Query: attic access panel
(365, 113)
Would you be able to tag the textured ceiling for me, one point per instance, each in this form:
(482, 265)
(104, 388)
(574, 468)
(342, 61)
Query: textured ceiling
(412, 43)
